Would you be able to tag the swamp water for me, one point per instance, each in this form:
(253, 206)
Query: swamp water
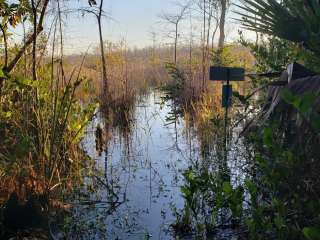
(141, 173)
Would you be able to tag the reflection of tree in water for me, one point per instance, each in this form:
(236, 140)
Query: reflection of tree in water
(103, 191)
(135, 154)
(119, 121)
(210, 135)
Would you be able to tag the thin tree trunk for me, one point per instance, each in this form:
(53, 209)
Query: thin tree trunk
(24, 54)
(257, 34)
(61, 44)
(4, 35)
(214, 33)
(126, 71)
(190, 52)
(104, 70)
(222, 23)
(26, 44)
(103, 60)
(209, 26)
(175, 44)
(52, 54)
(203, 45)
(29, 41)
(34, 45)
(5, 56)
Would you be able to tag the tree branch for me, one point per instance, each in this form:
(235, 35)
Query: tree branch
(4, 35)
(30, 39)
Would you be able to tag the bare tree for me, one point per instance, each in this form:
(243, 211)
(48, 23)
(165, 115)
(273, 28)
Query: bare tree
(222, 22)
(175, 20)
(209, 10)
(190, 48)
(204, 48)
(34, 7)
(153, 36)
(61, 42)
(214, 32)
(99, 13)
(4, 36)
(103, 60)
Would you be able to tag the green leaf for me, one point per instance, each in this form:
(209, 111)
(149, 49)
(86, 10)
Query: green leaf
(304, 104)
(279, 222)
(185, 191)
(2, 75)
(251, 187)
(189, 175)
(315, 121)
(8, 114)
(226, 186)
(267, 136)
(292, 20)
(311, 233)
(307, 102)
(287, 96)
(241, 98)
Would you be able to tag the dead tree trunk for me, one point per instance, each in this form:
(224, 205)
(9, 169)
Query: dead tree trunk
(204, 47)
(175, 20)
(103, 59)
(222, 23)
(34, 44)
(4, 36)
(214, 33)
(175, 43)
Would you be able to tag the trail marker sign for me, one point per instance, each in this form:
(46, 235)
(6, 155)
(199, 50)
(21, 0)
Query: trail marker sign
(227, 96)
(226, 74)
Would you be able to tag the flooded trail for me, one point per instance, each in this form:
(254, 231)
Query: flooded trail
(144, 170)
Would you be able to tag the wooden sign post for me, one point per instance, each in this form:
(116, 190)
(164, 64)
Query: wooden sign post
(226, 74)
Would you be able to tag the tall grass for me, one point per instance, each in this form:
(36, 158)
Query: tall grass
(42, 123)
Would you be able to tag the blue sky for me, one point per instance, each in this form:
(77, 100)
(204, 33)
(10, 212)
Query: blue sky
(131, 19)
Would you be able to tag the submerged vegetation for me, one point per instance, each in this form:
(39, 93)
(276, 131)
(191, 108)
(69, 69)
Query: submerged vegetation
(248, 172)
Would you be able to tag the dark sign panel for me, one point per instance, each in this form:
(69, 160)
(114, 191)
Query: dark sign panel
(226, 96)
(226, 74)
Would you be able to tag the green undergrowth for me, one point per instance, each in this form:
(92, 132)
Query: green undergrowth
(278, 199)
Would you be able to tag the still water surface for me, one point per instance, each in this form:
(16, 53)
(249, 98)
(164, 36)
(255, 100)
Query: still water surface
(144, 168)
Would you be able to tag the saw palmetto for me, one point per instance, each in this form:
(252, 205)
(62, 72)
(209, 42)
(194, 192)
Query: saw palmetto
(293, 20)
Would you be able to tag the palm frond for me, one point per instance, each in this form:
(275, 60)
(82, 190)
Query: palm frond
(293, 20)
